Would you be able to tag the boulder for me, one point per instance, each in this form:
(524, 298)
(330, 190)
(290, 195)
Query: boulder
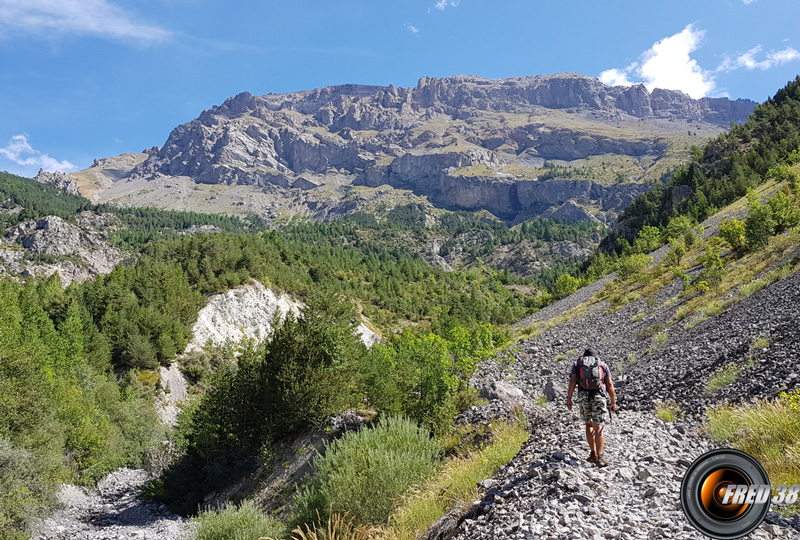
(505, 392)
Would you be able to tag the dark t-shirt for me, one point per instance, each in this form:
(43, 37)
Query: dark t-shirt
(606, 372)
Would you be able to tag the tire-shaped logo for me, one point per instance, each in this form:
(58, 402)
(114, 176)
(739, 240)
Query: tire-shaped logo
(723, 494)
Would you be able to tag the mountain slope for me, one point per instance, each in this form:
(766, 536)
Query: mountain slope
(730, 164)
(463, 142)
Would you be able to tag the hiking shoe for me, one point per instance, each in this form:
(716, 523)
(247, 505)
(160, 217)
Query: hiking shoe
(602, 462)
(592, 457)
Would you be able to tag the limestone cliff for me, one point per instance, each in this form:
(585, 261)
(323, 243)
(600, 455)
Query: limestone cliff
(465, 142)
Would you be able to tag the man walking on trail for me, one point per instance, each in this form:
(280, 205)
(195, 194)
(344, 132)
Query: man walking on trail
(593, 379)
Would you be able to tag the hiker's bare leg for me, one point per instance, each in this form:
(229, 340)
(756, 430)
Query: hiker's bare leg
(599, 438)
(590, 436)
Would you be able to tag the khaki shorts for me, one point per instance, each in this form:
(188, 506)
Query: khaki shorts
(592, 409)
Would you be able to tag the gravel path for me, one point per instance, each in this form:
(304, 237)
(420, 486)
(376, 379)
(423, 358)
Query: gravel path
(114, 511)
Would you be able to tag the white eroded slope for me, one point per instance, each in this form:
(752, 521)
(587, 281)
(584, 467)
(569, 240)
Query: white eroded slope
(249, 312)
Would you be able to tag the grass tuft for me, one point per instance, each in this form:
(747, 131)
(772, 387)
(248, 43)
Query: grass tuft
(768, 430)
(334, 527)
(765, 281)
(722, 378)
(669, 411)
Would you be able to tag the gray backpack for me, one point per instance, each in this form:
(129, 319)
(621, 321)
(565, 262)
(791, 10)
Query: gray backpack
(590, 373)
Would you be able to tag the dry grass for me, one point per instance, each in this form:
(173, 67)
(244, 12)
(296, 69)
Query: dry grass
(335, 527)
(455, 486)
(767, 430)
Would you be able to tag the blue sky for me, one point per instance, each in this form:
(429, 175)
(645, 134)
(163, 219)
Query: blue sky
(84, 79)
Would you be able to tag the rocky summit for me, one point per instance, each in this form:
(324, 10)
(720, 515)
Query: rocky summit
(564, 145)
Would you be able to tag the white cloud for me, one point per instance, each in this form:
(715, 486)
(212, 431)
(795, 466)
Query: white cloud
(82, 17)
(668, 64)
(20, 151)
(749, 59)
(747, 2)
(413, 29)
(617, 77)
(444, 4)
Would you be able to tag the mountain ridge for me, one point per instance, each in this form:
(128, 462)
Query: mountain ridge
(461, 141)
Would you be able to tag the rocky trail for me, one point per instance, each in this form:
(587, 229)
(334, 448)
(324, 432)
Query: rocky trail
(549, 490)
(114, 511)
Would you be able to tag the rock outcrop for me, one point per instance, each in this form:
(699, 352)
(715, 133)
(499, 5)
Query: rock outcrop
(450, 139)
(77, 252)
(246, 312)
(59, 180)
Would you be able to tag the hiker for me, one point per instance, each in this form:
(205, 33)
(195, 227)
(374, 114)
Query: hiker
(593, 379)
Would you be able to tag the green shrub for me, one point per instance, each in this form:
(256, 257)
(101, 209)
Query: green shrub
(25, 484)
(245, 522)
(365, 472)
(649, 239)
(676, 252)
(759, 225)
(784, 212)
(713, 267)
(684, 227)
(733, 232)
(783, 173)
(631, 265)
(565, 285)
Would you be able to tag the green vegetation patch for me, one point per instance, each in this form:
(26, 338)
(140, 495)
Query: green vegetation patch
(669, 411)
(243, 522)
(722, 378)
(365, 472)
(455, 485)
